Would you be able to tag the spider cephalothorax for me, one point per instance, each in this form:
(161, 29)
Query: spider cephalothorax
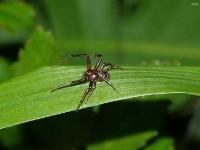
(99, 73)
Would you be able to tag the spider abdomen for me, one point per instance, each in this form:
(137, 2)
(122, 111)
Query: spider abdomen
(91, 75)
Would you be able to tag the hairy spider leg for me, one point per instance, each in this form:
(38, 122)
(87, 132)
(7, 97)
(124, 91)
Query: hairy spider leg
(99, 60)
(73, 83)
(88, 62)
(87, 94)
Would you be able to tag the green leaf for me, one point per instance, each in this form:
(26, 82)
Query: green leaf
(133, 142)
(163, 143)
(5, 69)
(29, 97)
(40, 50)
(16, 15)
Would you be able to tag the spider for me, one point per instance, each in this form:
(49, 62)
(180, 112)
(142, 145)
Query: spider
(99, 73)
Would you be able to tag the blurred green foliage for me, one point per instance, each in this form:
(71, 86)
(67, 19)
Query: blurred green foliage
(134, 142)
(15, 16)
(16, 21)
(126, 32)
(164, 143)
(5, 69)
(39, 51)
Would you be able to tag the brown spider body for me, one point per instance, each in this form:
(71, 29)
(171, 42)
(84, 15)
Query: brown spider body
(96, 75)
(99, 73)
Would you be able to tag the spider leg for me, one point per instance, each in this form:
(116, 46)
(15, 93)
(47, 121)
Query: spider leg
(99, 60)
(87, 93)
(109, 66)
(86, 57)
(73, 83)
(110, 84)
